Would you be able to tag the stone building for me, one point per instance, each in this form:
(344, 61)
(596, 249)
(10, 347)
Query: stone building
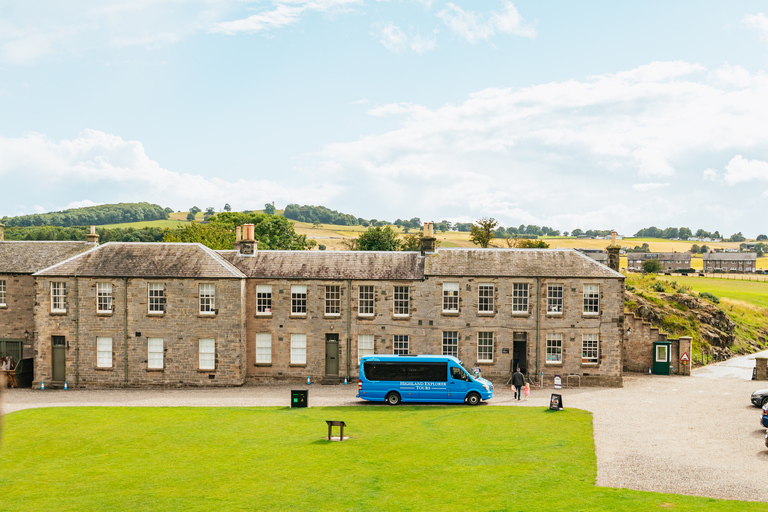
(670, 261)
(730, 261)
(18, 261)
(140, 314)
(598, 255)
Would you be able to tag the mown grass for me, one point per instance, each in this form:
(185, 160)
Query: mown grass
(751, 292)
(404, 458)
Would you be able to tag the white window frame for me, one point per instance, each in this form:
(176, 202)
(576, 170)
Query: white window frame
(333, 300)
(104, 298)
(485, 344)
(207, 354)
(103, 352)
(401, 301)
(401, 344)
(451, 297)
(263, 348)
(207, 295)
(58, 297)
(555, 303)
(554, 351)
(365, 346)
(520, 298)
(451, 343)
(156, 298)
(590, 348)
(365, 300)
(3, 297)
(264, 299)
(298, 348)
(591, 299)
(155, 354)
(485, 298)
(298, 300)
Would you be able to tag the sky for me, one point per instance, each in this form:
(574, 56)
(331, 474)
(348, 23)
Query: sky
(591, 115)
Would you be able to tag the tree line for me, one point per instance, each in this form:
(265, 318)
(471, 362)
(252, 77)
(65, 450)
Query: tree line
(685, 234)
(92, 215)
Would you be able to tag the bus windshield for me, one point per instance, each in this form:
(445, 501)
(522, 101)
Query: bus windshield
(466, 369)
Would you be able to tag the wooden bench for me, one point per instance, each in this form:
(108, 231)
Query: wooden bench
(339, 424)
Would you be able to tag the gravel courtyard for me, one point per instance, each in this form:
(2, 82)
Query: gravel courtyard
(685, 435)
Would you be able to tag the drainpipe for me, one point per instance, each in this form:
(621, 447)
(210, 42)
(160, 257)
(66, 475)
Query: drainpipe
(349, 325)
(538, 324)
(125, 333)
(77, 333)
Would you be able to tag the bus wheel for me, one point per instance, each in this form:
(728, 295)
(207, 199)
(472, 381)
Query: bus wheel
(473, 399)
(393, 398)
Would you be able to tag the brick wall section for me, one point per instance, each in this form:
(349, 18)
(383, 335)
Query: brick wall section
(181, 327)
(18, 314)
(427, 322)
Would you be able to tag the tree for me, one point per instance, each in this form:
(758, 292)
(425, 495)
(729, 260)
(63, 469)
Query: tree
(577, 232)
(695, 249)
(684, 233)
(227, 208)
(271, 232)
(651, 266)
(737, 237)
(704, 249)
(481, 232)
(527, 243)
(268, 209)
(190, 216)
(761, 237)
(195, 210)
(378, 238)
(411, 242)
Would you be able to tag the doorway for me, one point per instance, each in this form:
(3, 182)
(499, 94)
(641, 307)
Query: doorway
(331, 354)
(520, 352)
(59, 358)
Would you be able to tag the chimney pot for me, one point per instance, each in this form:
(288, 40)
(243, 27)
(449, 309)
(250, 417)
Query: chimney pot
(92, 237)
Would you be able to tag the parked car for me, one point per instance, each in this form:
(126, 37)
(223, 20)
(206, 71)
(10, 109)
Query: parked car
(760, 397)
(764, 416)
(766, 438)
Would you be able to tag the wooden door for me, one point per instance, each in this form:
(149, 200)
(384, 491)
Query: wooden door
(59, 359)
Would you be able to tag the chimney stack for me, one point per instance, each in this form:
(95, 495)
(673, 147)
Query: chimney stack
(92, 237)
(428, 241)
(614, 258)
(248, 243)
(2, 232)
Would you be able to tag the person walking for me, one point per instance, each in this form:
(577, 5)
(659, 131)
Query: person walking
(518, 381)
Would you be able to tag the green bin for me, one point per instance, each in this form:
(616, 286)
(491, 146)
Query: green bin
(299, 397)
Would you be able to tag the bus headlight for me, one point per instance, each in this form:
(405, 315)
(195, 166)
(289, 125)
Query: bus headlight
(486, 387)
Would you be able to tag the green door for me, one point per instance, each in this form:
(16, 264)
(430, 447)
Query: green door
(59, 358)
(661, 357)
(332, 354)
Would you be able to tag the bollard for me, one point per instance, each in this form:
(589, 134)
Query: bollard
(65, 385)
(308, 383)
(345, 380)
(42, 386)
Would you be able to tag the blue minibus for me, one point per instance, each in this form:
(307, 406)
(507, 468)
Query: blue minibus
(419, 378)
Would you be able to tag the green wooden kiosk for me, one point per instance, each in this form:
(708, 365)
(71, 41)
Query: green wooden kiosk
(662, 353)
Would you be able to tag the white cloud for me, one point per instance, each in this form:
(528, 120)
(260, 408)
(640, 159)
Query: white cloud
(474, 26)
(646, 187)
(283, 13)
(740, 170)
(116, 169)
(81, 204)
(395, 40)
(758, 22)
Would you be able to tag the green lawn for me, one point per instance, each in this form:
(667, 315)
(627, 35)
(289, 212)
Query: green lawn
(752, 292)
(404, 458)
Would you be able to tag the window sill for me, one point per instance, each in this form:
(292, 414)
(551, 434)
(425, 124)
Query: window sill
(155, 370)
(58, 313)
(589, 365)
(156, 314)
(263, 365)
(262, 315)
(401, 317)
(206, 315)
(297, 365)
(520, 313)
(3, 306)
(104, 313)
(591, 315)
(202, 370)
(297, 315)
(450, 313)
(554, 363)
(366, 317)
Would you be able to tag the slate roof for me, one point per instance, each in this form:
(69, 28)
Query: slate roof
(27, 257)
(359, 265)
(515, 263)
(148, 260)
(730, 256)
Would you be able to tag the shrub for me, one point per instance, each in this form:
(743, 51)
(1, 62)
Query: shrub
(710, 297)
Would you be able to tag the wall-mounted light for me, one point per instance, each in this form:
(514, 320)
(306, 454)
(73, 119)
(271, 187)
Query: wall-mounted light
(26, 333)
(629, 330)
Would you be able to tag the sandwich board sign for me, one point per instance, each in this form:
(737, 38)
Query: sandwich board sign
(558, 382)
(556, 402)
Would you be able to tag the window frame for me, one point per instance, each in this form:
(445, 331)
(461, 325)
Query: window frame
(486, 303)
(263, 348)
(299, 303)
(553, 298)
(554, 347)
(450, 345)
(485, 336)
(401, 297)
(519, 298)
(154, 365)
(298, 347)
(332, 300)
(101, 351)
(156, 302)
(401, 342)
(363, 301)
(207, 354)
(207, 302)
(591, 303)
(263, 299)
(451, 297)
(58, 297)
(590, 354)
(104, 298)
(365, 351)
(3, 293)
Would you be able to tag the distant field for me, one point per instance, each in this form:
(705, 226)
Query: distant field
(162, 224)
(752, 292)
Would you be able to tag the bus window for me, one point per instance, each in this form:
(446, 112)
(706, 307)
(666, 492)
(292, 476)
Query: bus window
(458, 373)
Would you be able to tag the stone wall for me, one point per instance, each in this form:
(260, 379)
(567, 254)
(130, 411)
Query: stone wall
(426, 323)
(130, 325)
(17, 315)
(638, 346)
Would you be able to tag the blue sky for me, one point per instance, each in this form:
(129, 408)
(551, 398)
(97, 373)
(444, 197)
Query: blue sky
(602, 115)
